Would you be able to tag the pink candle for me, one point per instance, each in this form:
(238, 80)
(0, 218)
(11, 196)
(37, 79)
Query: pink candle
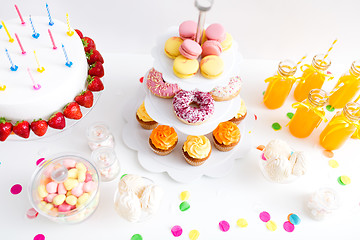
(52, 39)
(21, 47)
(18, 11)
(36, 86)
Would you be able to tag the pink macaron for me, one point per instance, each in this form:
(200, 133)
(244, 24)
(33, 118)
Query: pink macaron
(190, 49)
(187, 30)
(211, 47)
(215, 32)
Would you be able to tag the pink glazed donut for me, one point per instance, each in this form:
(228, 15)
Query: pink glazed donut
(193, 115)
(159, 87)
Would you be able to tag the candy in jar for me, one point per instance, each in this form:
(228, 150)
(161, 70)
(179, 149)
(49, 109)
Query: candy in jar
(280, 85)
(341, 127)
(99, 135)
(313, 77)
(309, 114)
(323, 203)
(107, 163)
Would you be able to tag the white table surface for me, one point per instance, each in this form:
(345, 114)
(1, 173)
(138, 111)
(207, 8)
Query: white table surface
(244, 193)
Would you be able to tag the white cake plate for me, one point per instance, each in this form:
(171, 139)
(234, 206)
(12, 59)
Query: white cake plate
(232, 60)
(218, 165)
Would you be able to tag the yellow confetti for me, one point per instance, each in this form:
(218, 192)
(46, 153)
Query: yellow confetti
(184, 196)
(333, 163)
(194, 234)
(271, 225)
(345, 180)
(242, 223)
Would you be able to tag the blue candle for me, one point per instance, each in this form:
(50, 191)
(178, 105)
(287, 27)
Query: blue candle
(35, 34)
(13, 66)
(68, 63)
(50, 20)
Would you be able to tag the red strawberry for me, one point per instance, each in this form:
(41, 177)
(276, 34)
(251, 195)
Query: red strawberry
(57, 121)
(88, 44)
(85, 99)
(22, 129)
(72, 111)
(94, 84)
(5, 129)
(79, 33)
(94, 56)
(96, 69)
(39, 127)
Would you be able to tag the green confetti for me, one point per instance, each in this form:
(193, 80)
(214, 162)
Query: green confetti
(136, 237)
(290, 115)
(330, 108)
(184, 206)
(340, 182)
(276, 126)
(263, 92)
(123, 176)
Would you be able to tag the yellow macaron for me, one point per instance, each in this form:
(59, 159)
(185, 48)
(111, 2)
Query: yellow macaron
(185, 68)
(226, 44)
(172, 46)
(211, 66)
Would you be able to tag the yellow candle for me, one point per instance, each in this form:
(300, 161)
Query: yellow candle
(39, 69)
(69, 32)
(7, 32)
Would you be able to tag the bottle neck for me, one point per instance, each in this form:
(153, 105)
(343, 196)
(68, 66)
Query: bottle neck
(355, 69)
(321, 63)
(286, 68)
(352, 111)
(318, 97)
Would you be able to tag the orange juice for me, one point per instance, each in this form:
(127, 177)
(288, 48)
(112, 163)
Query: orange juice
(347, 87)
(313, 77)
(309, 114)
(280, 85)
(341, 127)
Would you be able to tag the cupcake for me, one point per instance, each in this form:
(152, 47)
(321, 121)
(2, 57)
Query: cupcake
(196, 150)
(144, 119)
(226, 136)
(163, 140)
(241, 114)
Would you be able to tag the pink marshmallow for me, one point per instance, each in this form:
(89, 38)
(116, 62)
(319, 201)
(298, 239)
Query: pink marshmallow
(64, 207)
(89, 186)
(78, 190)
(88, 177)
(69, 163)
(215, 32)
(61, 189)
(49, 198)
(190, 49)
(51, 187)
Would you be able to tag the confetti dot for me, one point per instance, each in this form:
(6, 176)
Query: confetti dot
(141, 79)
(194, 234)
(263, 92)
(345, 180)
(40, 160)
(276, 126)
(333, 163)
(263, 157)
(255, 116)
(16, 189)
(123, 176)
(136, 237)
(340, 182)
(242, 223)
(328, 153)
(39, 237)
(288, 226)
(32, 213)
(264, 216)
(184, 196)
(184, 206)
(249, 131)
(294, 219)
(271, 225)
(176, 231)
(260, 147)
(290, 115)
(330, 108)
(224, 226)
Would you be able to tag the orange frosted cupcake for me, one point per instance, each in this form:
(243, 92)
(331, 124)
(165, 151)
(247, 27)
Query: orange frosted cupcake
(241, 114)
(163, 140)
(196, 150)
(144, 119)
(226, 136)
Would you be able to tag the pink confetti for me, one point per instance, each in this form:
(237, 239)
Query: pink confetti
(224, 226)
(39, 161)
(288, 226)
(16, 189)
(39, 237)
(176, 231)
(263, 157)
(264, 216)
(32, 213)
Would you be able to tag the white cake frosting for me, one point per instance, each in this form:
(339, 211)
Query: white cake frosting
(59, 83)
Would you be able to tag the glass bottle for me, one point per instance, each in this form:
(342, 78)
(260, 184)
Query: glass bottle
(106, 162)
(323, 203)
(309, 114)
(313, 77)
(341, 127)
(99, 135)
(347, 87)
(280, 85)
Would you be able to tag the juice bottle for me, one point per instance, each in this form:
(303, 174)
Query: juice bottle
(313, 77)
(347, 87)
(309, 114)
(341, 127)
(280, 85)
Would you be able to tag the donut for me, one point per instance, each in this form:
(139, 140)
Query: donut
(159, 87)
(228, 92)
(189, 114)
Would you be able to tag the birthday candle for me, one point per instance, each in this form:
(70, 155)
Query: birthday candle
(40, 69)
(68, 63)
(18, 11)
(21, 47)
(7, 32)
(35, 34)
(13, 66)
(52, 39)
(36, 86)
(50, 20)
(69, 32)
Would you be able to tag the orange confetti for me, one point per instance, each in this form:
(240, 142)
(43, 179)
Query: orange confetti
(260, 147)
(328, 153)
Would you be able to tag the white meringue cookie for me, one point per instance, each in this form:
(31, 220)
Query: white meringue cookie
(131, 182)
(151, 198)
(128, 205)
(278, 169)
(276, 148)
(298, 163)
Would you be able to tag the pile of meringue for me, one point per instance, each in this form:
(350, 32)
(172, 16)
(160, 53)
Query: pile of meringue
(281, 162)
(137, 198)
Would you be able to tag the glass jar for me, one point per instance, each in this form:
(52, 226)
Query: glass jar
(313, 77)
(341, 127)
(280, 85)
(309, 114)
(98, 135)
(323, 203)
(106, 162)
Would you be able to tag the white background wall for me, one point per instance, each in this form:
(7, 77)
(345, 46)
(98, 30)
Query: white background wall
(270, 29)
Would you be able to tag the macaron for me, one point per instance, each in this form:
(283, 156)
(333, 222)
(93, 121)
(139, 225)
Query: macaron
(190, 49)
(211, 47)
(184, 67)
(215, 32)
(227, 43)
(187, 30)
(172, 46)
(211, 66)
